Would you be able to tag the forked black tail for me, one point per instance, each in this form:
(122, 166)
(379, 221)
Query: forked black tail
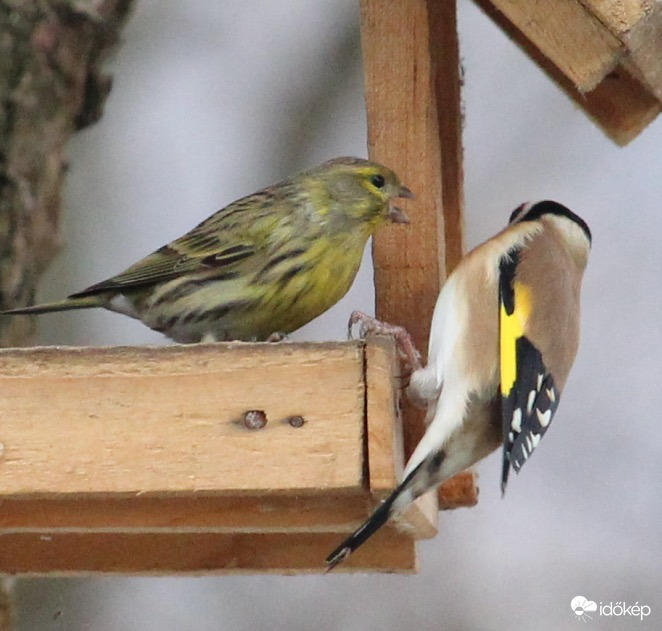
(381, 515)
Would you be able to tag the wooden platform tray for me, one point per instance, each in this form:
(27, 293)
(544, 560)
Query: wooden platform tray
(139, 460)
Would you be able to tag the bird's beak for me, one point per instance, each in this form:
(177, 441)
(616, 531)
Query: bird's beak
(406, 193)
(397, 216)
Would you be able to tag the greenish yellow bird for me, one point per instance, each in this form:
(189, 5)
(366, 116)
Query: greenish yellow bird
(264, 265)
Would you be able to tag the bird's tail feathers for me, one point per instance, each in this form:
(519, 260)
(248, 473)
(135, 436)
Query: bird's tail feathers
(505, 470)
(395, 502)
(85, 302)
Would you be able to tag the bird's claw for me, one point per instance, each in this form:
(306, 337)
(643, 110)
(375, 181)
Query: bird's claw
(278, 337)
(369, 324)
(360, 318)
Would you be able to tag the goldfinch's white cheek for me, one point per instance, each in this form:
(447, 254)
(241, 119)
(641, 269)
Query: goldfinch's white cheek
(571, 232)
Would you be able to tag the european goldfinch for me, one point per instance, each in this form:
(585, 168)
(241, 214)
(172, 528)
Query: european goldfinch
(503, 338)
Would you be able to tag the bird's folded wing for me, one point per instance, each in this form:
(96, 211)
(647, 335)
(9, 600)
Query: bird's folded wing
(529, 397)
(188, 255)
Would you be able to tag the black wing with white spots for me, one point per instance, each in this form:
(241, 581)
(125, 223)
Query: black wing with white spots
(529, 402)
(528, 409)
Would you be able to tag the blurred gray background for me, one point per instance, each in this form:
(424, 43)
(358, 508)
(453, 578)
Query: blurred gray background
(213, 100)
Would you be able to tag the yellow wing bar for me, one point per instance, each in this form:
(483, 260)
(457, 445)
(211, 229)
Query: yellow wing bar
(511, 327)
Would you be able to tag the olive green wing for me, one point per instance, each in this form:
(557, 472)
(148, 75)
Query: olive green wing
(219, 244)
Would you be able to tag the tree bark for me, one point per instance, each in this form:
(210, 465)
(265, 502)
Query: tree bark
(51, 84)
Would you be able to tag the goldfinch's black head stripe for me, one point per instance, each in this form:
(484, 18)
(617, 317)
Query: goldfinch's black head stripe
(549, 207)
(528, 409)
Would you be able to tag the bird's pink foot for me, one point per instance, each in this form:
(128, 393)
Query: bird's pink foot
(369, 324)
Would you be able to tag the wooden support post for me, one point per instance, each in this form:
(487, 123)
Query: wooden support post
(412, 87)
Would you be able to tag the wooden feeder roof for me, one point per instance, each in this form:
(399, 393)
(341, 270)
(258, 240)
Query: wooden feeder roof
(605, 54)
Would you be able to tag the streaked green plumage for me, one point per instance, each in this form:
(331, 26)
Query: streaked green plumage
(267, 263)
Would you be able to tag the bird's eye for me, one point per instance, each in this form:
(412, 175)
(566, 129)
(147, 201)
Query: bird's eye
(378, 181)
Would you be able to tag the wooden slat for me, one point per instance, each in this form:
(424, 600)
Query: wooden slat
(168, 420)
(386, 453)
(621, 105)
(459, 491)
(445, 47)
(259, 514)
(420, 519)
(385, 442)
(408, 88)
(448, 84)
(638, 25)
(568, 35)
(190, 553)
(619, 16)
(645, 45)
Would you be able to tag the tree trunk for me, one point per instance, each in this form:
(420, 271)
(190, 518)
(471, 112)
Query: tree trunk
(51, 85)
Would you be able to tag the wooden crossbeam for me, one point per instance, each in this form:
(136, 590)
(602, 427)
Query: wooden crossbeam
(164, 553)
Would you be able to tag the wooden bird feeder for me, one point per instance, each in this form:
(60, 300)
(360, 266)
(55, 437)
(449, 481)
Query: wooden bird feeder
(143, 460)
